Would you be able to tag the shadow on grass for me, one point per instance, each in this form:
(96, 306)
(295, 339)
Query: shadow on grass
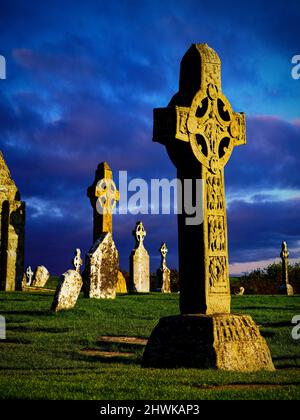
(109, 360)
(14, 341)
(267, 334)
(40, 329)
(34, 313)
(268, 308)
(277, 324)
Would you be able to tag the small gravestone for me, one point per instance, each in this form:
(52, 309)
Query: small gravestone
(121, 285)
(200, 130)
(41, 276)
(139, 263)
(163, 273)
(286, 288)
(69, 286)
(102, 267)
(29, 275)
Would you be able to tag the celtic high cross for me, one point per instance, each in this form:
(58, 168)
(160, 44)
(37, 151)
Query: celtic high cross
(200, 130)
(103, 195)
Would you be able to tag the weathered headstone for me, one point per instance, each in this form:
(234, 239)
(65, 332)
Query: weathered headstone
(121, 285)
(29, 275)
(102, 264)
(41, 276)
(286, 288)
(69, 286)
(12, 231)
(163, 273)
(200, 130)
(139, 263)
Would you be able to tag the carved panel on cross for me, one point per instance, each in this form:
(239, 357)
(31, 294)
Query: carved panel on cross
(214, 193)
(216, 234)
(218, 275)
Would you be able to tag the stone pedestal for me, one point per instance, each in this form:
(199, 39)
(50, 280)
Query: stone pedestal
(223, 341)
(286, 289)
(163, 280)
(140, 270)
(102, 269)
(67, 291)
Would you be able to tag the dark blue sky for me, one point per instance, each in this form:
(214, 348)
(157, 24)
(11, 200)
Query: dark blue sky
(82, 80)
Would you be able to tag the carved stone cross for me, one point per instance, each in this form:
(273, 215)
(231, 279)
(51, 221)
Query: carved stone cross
(140, 233)
(29, 275)
(286, 287)
(77, 260)
(103, 195)
(200, 130)
(163, 251)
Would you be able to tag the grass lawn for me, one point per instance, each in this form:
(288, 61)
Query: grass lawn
(45, 357)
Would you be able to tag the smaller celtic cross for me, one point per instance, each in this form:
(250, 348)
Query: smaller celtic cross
(163, 251)
(29, 274)
(140, 233)
(77, 261)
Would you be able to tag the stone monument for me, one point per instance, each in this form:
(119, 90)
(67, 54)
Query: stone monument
(139, 275)
(200, 130)
(12, 232)
(286, 288)
(163, 273)
(102, 261)
(68, 287)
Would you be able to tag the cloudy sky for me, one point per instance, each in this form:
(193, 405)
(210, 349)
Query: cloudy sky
(82, 80)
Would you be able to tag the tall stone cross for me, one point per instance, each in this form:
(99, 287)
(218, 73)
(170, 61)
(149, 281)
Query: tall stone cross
(163, 252)
(103, 195)
(286, 287)
(200, 130)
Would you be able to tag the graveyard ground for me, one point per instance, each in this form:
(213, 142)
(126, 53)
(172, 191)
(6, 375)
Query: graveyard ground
(60, 356)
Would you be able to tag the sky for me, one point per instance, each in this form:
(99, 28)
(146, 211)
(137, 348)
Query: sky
(82, 79)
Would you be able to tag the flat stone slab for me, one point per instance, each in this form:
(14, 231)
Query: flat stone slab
(123, 340)
(106, 354)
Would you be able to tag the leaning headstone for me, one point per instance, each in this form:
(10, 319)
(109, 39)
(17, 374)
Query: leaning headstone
(102, 267)
(200, 130)
(12, 230)
(163, 273)
(139, 263)
(286, 288)
(29, 275)
(41, 276)
(69, 286)
(121, 285)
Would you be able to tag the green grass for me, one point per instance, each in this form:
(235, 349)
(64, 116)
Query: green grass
(41, 357)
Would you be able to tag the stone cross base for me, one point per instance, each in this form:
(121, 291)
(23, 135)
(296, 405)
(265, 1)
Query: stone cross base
(227, 342)
(102, 267)
(286, 289)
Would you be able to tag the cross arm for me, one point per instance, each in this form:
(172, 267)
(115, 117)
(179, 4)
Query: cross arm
(170, 122)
